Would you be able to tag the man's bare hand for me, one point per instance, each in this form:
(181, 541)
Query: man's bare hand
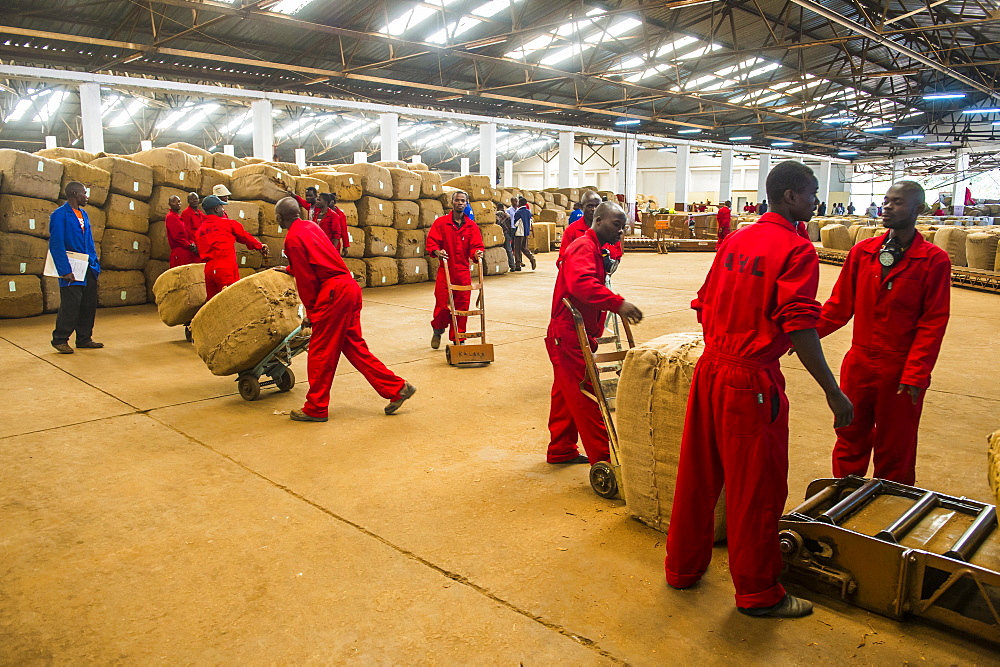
(69, 277)
(442, 254)
(843, 410)
(479, 255)
(914, 392)
(631, 314)
(264, 250)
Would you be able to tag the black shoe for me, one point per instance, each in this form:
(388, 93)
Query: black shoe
(789, 607)
(63, 348)
(534, 264)
(404, 393)
(89, 345)
(579, 459)
(436, 340)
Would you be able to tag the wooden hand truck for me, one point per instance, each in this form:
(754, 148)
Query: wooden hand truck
(460, 352)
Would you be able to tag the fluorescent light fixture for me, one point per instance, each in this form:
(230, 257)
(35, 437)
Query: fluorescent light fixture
(991, 110)
(781, 144)
(878, 129)
(740, 138)
(838, 121)
(945, 96)
(630, 121)
(910, 136)
(847, 153)
(996, 122)
(940, 143)
(667, 149)
(692, 131)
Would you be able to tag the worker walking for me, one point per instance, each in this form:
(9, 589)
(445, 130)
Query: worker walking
(216, 240)
(723, 219)
(521, 223)
(454, 238)
(589, 202)
(183, 249)
(759, 299)
(582, 279)
(332, 300)
(897, 287)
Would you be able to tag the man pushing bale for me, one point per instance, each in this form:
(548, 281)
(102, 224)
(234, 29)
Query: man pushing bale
(216, 240)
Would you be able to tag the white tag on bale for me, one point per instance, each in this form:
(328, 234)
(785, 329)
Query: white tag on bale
(381, 185)
(383, 279)
(417, 269)
(131, 205)
(498, 268)
(181, 175)
(243, 259)
(434, 188)
(12, 286)
(24, 267)
(135, 245)
(350, 180)
(411, 188)
(243, 214)
(123, 294)
(135, 186)
(41, 166)
(380, 207)
(31, 223)
(386, 249)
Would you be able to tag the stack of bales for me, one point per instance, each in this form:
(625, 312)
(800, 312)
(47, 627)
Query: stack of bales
(376, 220)
(411, 238)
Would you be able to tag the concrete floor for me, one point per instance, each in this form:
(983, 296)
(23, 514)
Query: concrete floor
(150, 514)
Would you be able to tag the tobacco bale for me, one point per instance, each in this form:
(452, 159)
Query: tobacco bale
(25, 215)
(180, 293)
(410, 243)
(374, 212)
(59, 153)
(128, 178)
(158, 206)
(492, 235)
(203, 157)
(382, 271)
(478, 187)
(130, 215)
(29, 175)
(120, 288)
(430, 210)
(380, 242)
(172, 167)
(836, 237)
(21, 254)
(376, 181)
(981, 250)
(951, 239)
(154, 269)
(249, 214)
(223, 162)
(124, 251)
(430, 184)
(97, 180)
(260, 182)
(20, 296)
(406, 185)
(411, 270)
(405, 214)
(358, 269)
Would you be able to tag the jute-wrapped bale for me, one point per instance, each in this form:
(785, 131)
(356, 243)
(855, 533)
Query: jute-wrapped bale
(420, 166)
(993, 461)
(151, 272)
(952, 240)
(275, 246)
(376, 181)
(128, 177)
(77, 154)
(25, 215)
(159, 247)
(29, 175)
(248, 214)
(405, 215)
(433, 264)
(222, 162)
(406, 185)
(411, 270)
(172, 167)
(98, 222)
(478, 187)
(356, 250)
(867, 232)
(242, 324)
(51, 296)
(180, 293)
(928, 235)
(267, 221)
(382, 271)
(650, 407)
(981, 250)
(211, 177)
(483, 211)
(347, 187)
(289, 168)
(247, 258)
(430, 210)
(20, 296)
(249, 272)
(303, 182)
(552, 215)
(492, 235)
(813, 227)
(391, 164)
(410, 243)
(542, 236)
(852, 231)
(430, 184)
(120, 288)
(200, 154)
(374, 212)
(130, 215)
(260, 181)
(97, 180)
(835, 237)
(359, 270)
(380, 242)
(494, 261)
(350, 210)
(21, 254)
(445, 197)
(124, 251)
(158, 201)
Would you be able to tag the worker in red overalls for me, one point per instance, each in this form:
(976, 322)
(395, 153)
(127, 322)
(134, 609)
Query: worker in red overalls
(758, 300)
(724, 218)
(216, 239)
(456, 238)
(192, 215)
(582, 278)
(182, 246)
(589, 202)
(331, 220)
(332, 300)
(898, 289)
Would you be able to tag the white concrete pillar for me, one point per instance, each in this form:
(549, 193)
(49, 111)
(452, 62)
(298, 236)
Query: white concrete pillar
(508, 174)
(824, 183)
(726, 178)
(263, 129)
(581, 173)
(90, 116)
(488, 151)
(360, 157)
(546, 174)
(300, 158)
(628, 167)
(682, 178)
(566, 143)
(229, 149)
(898, 169)
(463, 168)
(390, 136)
(145, 145)
(415, 159)
(763, 169)
(961, 174)
(50, 142)
(848, 180)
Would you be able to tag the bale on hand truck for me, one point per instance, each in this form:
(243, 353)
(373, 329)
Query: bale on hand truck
(277, 365)
(459, 352)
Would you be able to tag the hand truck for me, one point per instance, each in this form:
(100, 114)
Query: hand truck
(277, 365)
(459, 352)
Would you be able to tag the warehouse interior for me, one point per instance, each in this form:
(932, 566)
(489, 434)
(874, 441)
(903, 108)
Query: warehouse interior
(153, 513)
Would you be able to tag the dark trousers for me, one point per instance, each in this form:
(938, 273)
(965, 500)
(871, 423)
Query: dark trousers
(521, 246)
(77, 309)
(508, 245)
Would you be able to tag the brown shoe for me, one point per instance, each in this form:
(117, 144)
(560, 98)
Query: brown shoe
(301, 416)
(63, 348)
(404, 393)
(89, 345)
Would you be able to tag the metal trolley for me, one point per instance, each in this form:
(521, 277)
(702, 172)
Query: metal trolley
(276, 365)
(460, 352)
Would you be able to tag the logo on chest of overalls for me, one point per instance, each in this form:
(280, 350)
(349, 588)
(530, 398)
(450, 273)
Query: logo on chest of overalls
(753, 265)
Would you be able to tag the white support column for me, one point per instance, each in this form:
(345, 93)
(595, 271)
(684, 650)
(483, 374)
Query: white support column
(961, 173)
(682, 178)
(763, 168)
(726, 179)
(566, 142)
(508, 174)
(229, 149)
(360, 157)
(463, 168)
(415, 159)
(300, 158)
(263, 129)
(50, 142)
(628, 167)
(488, 151)
(390, 136)
(581, 177)
(848, 180)
(824, 184)
(898, 169)
(145, 145)
(90, 115)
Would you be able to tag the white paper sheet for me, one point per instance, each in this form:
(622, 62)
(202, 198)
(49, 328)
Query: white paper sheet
(78, 263)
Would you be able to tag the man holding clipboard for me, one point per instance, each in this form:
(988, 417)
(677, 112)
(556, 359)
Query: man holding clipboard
(73, 258)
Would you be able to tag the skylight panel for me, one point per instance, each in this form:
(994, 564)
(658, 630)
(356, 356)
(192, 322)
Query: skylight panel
(126, 115)
(408, 20)
(492, 8)
(289, 6)
(174, 116)
(109, 103)
(238, 122)
(453, 30)
(590, 41)
(675, 45)
(293, 126)
(19, 110)
(196, 117)
(544, 41)
(698, 53)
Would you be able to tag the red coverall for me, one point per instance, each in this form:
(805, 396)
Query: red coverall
(761, 286)
(180, 239)
(217, 239)
(578, 229)
(334, 223)
(333, 302)
(582, 278)
(461, 244)
(193, 218)
(724, 218)
(899, 322)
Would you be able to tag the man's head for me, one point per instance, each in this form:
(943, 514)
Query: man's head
(459, 200)
(589, 203)
(213, 205)
(193, 199)
(902, 204)
(609, 222)
(76, 194)
(325, 200)
(174, 203)
(311, 194)
(521, 201)
(728, 203)
(577, 207)
(286, 211)
(222, 192)
(792, 187)
(513, 202)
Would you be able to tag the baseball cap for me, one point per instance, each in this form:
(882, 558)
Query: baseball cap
(210, 202)
(221, 190)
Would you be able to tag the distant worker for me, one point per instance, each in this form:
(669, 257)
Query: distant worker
(510, 212)
(577, 211)
(850, 209)
(183, 249)
(521, 222)
(938, 211)
(589, 202)
(762, 207)
(758, 300)
(821, 211)
(331, 220)
(69, 231)
(897, 287)
(503, 220)
(308, 202)
(872, 211)
(216, 239)
(222, 192)
(332, 300)
(456, 239)
(193, 215)
(582, 279)
(724, 218)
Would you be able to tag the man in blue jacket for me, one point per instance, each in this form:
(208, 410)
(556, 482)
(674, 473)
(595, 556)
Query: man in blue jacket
(69, 230)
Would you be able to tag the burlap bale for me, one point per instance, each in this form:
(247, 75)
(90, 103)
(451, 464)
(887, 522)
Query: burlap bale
(303, 182)
(180, 293)
(483, 211)
(374, 212)
(868, 232)
(542, 236)
(260, 182)
(29, 175)
(478, 187)
(650, 407)
(158, 206)
(549, 199)
(391, 164)
(430, 184)
(492, 235)
(562, 200)
(120, 288)
(21, 254)
(411, 270)
(952, 240)
(406, 185)
(494, 261)
(248, 214)
(405, 214)
(20, 296)
(430, 210)
(211, 177)
(222, 162)
(247, 258)
(347, 187)
(410, 243)
(382, 271)
(981, 250)
(98, 223)
(418, 166)
(128, 177)
(380, 242)
(154, 269)
(356, 236)
(552, 215)
(275, 246)
(97, 180)
(289, 168)
(249, 272)
(130, 215)
(159, 247)
(50, 294)
(433, 264)
(242, 324)
(172, 167)
(124, 251)
(25, 215)
(59, 152)
(996, 263)
(376, 181)
(267, 220)
(203, 157)
(993, 463)
(359, 270)
(445, 197)
(350, 210)
(836, 237)
(813, 228)
(852, 231)
(928, 235)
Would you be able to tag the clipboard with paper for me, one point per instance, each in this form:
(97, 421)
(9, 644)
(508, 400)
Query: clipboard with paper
(78, 263)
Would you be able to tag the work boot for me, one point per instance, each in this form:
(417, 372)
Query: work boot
(436, 339)
(404, 393)
(300, 416)
(579, 459)
(533, 262)
(89, 345)
(789, 607)
(63, 348)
